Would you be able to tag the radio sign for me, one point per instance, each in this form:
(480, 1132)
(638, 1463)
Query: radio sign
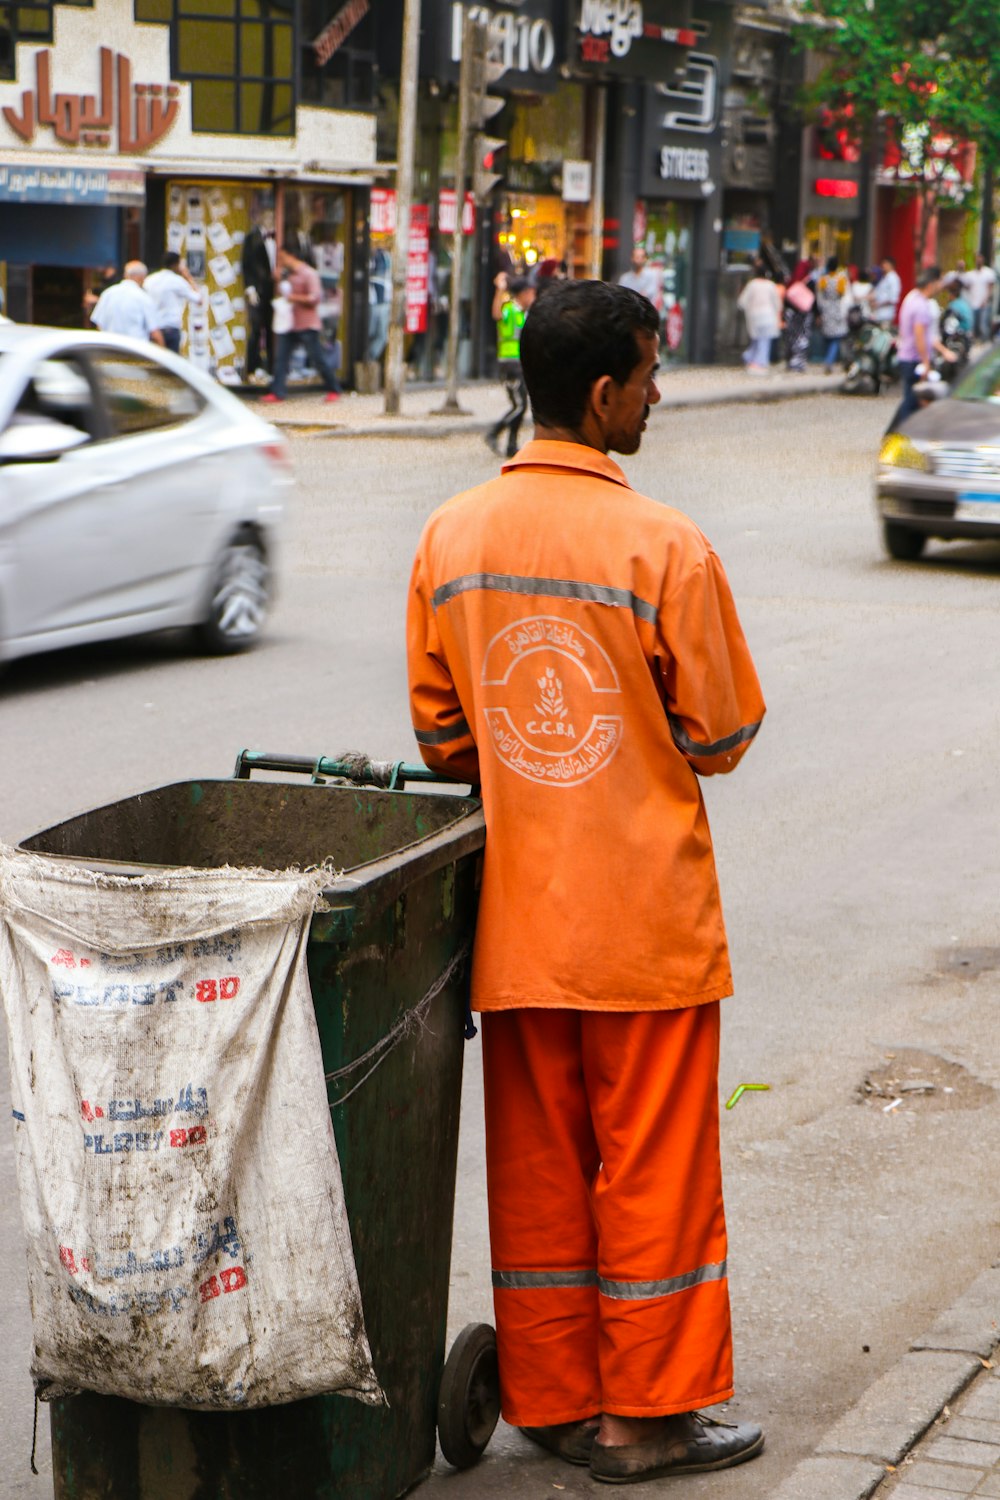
(521, 43)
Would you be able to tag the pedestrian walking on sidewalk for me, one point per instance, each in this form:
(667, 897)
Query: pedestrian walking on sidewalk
(833, 298)
(760, 304)
(305, 293)
(916, 340)
(127, 309)
(511, 300)
(800, 300)
(172, 288)
(643, 278)
(574, 650)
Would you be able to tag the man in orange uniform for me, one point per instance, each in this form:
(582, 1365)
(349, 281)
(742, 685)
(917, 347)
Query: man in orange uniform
(574, 648)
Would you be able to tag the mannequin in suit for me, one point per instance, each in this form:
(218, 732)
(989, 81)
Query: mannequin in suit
(258, 282)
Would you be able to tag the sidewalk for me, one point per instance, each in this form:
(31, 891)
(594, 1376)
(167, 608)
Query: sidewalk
(484, 401)
(929, 1429)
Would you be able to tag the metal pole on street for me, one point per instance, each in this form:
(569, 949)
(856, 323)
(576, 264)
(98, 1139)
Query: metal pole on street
(404, 200)
(451, 405)
(597, 181)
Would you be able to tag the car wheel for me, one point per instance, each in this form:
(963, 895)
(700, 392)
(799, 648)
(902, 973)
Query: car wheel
(902, 543)
(241, 594)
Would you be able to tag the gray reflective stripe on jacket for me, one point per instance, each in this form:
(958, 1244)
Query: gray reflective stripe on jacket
(684, 742)
(442, 736)
(552, 588)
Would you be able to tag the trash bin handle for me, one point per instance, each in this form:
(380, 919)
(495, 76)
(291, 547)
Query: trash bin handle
(390, 774)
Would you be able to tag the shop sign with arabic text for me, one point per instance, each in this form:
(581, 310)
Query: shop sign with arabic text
(120, 115)
(20, 184)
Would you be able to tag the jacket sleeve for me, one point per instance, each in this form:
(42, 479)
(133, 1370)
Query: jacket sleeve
(439, 723)
(713, 698)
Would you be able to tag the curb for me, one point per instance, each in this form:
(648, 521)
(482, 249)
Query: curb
(448, 426)
(852, 1458)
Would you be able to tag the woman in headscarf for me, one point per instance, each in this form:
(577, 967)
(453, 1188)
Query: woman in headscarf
(799, 302)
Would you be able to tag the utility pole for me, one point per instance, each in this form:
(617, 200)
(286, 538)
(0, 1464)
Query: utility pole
(406, 139)
(475, 107)
(600, 146)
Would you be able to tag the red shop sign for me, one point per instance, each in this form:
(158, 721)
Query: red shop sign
(418, 269)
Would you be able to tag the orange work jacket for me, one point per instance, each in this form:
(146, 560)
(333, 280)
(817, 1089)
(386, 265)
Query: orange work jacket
(574, 648)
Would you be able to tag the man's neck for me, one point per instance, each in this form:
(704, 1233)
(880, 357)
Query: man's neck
(545, 434)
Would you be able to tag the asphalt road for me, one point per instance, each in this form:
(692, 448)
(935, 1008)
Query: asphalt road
(856, 845)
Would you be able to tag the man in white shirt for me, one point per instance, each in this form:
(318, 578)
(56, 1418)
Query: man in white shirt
(642, 278)
(125, 308)
(884, 298)
(979, 286)
(171, 288)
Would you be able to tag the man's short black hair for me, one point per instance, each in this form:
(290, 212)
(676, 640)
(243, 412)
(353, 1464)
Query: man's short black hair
(171, 260)
(577, 332)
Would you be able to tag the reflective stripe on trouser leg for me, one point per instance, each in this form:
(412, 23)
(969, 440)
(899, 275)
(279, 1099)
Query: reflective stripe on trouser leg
(541, 1161)
(652, 1082)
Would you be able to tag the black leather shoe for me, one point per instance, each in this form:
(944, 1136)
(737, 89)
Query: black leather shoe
(572, 1441)
(689, 1444)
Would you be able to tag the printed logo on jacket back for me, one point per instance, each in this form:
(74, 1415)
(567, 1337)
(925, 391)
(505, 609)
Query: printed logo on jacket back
(551, 701)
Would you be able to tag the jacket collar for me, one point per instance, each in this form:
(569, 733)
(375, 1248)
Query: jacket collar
(575, 458)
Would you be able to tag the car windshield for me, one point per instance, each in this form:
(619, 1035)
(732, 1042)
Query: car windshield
(982, 382)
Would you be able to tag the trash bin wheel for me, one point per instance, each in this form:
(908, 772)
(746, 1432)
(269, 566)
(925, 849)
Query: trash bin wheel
(469, 1397)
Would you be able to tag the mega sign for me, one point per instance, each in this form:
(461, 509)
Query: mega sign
(140, 113)
(608, 30)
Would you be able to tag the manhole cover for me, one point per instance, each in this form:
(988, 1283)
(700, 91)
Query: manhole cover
(908, 1079)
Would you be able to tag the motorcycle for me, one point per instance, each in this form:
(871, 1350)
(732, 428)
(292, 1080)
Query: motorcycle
(958, 342)
(871, 355)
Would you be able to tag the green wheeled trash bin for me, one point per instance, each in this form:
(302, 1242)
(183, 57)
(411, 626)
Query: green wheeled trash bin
(387, 969)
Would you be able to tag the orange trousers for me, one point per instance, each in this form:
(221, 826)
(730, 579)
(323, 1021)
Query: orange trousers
(607, 1227)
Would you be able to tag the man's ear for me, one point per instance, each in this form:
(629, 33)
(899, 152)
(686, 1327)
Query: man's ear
(600, 397)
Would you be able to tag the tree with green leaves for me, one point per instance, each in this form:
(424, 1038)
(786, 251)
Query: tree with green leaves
(914, 81)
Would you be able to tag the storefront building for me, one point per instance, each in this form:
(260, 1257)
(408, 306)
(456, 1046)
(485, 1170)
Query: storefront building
(758, 221)
(535, 213)
(209, 127)
(664, 164)
(948, 232)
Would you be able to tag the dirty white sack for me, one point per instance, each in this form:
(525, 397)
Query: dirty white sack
(181, 1194)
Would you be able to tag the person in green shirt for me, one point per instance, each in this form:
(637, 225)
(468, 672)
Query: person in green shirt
(511, 301)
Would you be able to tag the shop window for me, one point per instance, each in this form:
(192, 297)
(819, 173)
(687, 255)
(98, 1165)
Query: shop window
(25, 23)
(344, 77)
(213, 106)
(238, 56)
(265, 109)
(206, 47)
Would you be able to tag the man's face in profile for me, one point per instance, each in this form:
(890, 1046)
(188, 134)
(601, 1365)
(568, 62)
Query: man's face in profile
(630, 403)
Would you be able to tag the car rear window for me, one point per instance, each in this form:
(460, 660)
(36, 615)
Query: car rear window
(142, 396)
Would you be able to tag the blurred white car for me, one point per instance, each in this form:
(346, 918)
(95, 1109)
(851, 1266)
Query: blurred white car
(135, 495)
